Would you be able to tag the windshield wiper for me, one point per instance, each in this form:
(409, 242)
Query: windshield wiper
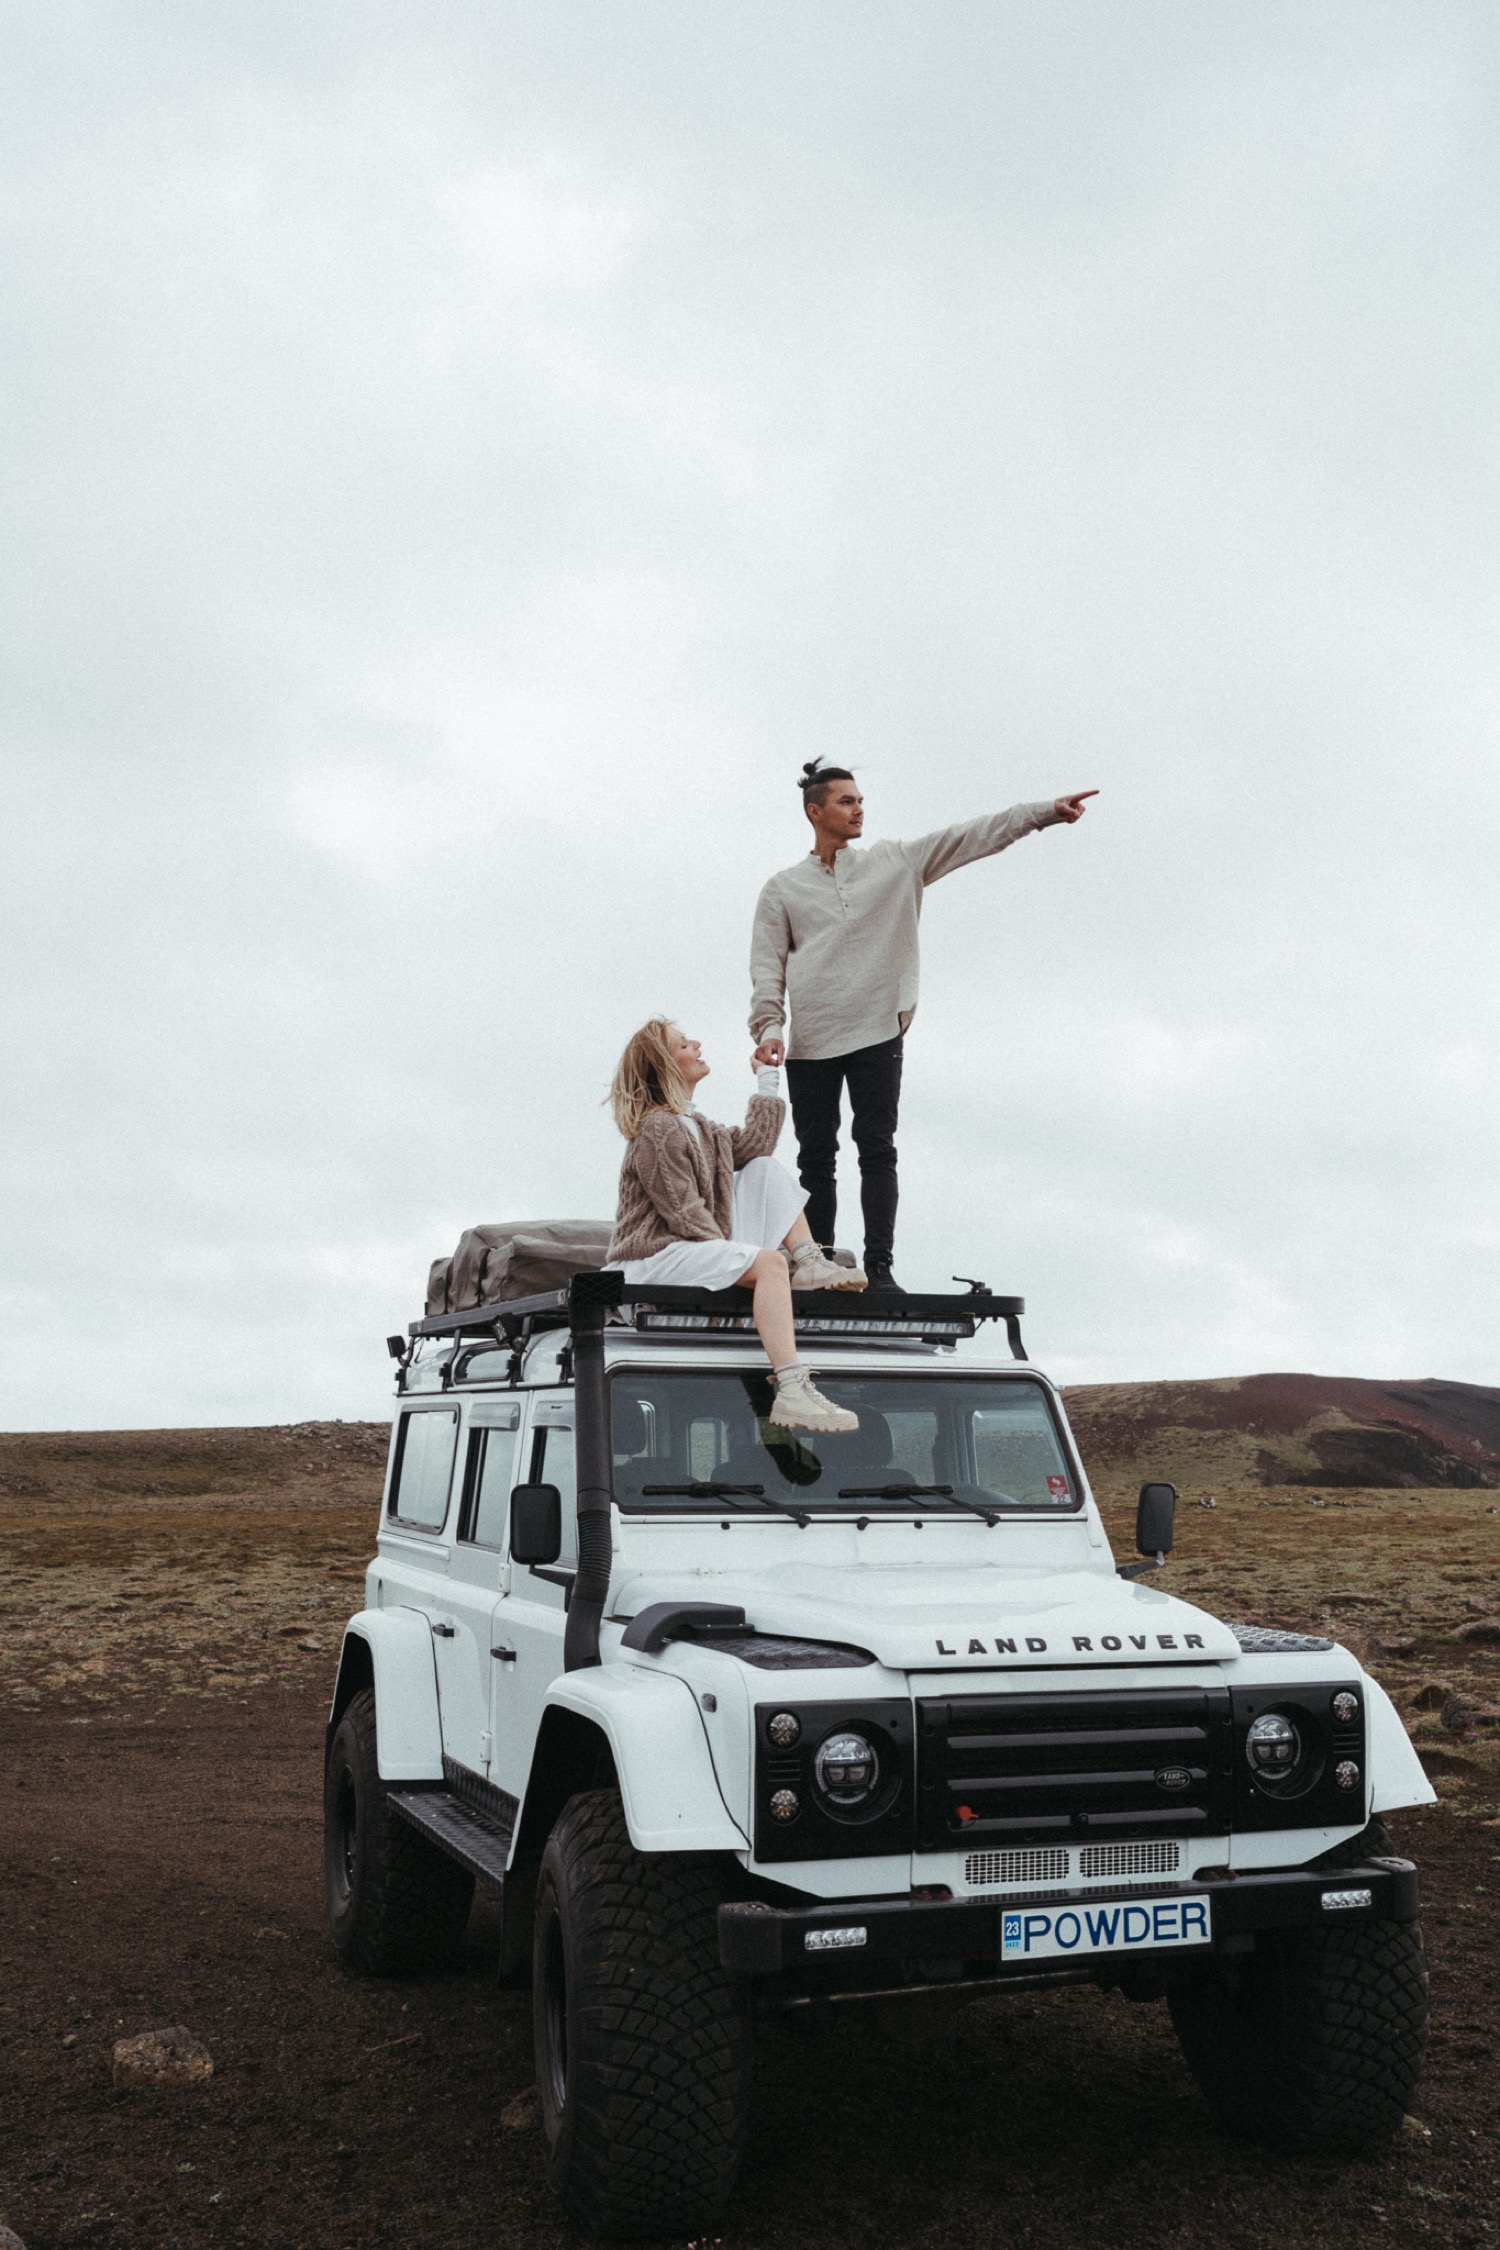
(701, 1489)
(916, 1492)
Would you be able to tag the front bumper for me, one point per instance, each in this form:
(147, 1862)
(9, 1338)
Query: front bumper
(905, 1937)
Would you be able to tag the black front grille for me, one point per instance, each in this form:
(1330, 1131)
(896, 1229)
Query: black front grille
(1038, 1768)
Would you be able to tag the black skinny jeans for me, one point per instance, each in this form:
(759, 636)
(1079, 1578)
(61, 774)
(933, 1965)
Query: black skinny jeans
(873, 1076)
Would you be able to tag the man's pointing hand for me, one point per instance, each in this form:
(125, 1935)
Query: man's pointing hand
(1072, 808)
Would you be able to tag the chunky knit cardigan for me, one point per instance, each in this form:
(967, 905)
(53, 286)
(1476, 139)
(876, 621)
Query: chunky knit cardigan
(677, 1180)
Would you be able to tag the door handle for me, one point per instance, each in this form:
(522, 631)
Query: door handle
(506, 1655)
(444, 1632)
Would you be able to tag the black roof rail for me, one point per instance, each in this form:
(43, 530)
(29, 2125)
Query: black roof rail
(587, 1295)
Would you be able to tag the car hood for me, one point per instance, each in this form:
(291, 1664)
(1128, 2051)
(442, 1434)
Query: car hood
(933, 1621)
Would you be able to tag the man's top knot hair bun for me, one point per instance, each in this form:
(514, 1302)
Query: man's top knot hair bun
(815, 775)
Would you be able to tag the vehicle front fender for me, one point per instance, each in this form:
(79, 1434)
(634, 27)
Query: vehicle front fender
(391, 1650)
(661, 1755)
(1396, 1774)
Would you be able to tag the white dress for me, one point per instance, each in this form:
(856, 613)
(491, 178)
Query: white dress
(766, 1201)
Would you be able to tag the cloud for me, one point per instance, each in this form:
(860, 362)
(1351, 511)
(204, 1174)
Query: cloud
(461, 461)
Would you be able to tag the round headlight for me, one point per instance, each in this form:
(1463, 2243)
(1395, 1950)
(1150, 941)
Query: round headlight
(784, 1728)
(1274, 1748)
(846, 1770)
(1346, 1708)
(785, 1805)
(1346, 1774)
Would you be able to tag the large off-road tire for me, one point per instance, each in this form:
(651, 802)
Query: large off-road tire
(1313, 2042)
(396, 1904)
(642, 2039)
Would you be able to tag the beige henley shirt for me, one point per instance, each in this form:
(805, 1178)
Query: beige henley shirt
(840, 943)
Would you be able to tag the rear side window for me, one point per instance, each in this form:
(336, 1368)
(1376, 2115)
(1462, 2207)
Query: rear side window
(424, 1468)
(490, 1475)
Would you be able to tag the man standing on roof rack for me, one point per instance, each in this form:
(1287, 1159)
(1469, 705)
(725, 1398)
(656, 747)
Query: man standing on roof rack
(836, 936)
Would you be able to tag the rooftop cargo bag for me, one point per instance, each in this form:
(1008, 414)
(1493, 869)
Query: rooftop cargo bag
(518, 1258)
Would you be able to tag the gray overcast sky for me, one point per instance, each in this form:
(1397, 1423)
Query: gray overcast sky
(459, 460)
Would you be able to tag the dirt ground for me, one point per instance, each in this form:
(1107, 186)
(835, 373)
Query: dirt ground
(169, 1612)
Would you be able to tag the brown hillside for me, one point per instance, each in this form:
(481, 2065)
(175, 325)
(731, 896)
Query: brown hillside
(126, 1469)
(1292, 1429)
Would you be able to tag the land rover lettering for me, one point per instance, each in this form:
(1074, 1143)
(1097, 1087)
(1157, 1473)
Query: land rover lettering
(1083, 1644)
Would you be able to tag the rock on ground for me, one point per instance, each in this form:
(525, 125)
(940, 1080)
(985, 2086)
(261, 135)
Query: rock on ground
(171, 2057)
(520, 2114)
(9, 2241)
(1461, 1713)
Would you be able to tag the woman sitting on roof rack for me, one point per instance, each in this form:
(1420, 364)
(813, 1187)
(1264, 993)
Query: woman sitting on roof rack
(707, 1206)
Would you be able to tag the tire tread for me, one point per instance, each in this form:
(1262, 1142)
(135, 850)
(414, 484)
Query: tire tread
(660, 2072)
(1318, 2044)
(412, 1901)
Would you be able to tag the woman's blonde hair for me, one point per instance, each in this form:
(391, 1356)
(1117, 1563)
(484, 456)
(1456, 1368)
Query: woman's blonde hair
(647, 1078)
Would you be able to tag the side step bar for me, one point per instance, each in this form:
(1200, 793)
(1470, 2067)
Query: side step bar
(478, 1837)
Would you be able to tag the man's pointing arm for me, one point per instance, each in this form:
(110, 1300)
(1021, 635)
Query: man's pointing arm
(968, 840)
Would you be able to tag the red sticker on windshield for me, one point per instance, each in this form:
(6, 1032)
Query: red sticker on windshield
(1057, 1487)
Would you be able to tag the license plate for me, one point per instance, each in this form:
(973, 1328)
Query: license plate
(1051, 1933)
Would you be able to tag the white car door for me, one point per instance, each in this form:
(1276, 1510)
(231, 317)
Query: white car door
(531, 1617)
(463, 1629)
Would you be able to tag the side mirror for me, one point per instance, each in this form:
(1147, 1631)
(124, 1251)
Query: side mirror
(535, 1523)
(1155, 1517)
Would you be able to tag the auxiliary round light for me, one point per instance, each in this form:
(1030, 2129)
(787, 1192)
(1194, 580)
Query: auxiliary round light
(784, 1728)
(1346, 1774)
(846, 1770)
(785, 1804)
(1346, 1708)
(1274, 1749)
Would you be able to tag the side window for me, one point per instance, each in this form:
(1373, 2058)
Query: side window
(424, 1468)
(486, 1366)
(490, 1473)
(554, 1462)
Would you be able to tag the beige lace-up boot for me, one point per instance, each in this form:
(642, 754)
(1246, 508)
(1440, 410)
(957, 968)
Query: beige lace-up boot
(800, 1405)
(811, 1270)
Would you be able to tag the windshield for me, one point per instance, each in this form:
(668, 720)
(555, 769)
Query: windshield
(701, 1441)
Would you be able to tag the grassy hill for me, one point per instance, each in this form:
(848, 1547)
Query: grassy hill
(1337, 1431)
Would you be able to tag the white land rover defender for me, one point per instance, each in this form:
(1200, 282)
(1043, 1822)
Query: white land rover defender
(743, 1721)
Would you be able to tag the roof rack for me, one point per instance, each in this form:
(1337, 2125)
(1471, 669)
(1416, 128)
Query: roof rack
(936, 1318)
(585, 1308)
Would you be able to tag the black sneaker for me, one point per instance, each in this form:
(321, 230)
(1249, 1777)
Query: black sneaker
(879, 1278)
